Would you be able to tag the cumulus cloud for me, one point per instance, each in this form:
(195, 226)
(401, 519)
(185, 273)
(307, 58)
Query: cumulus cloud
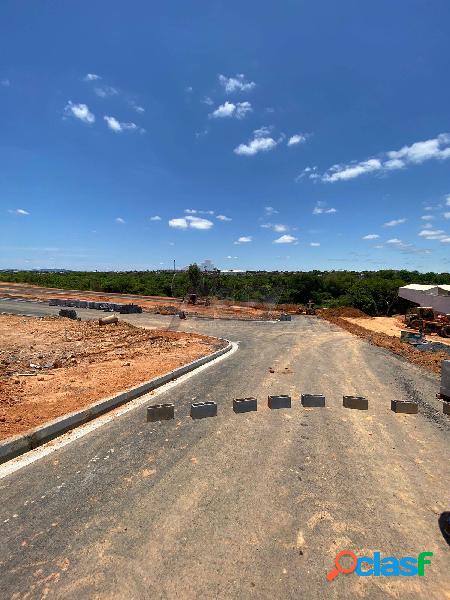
(223, 218)
(371, 236)
(244, 239)
(79, 111)
(446, 215)
(261, 142)
(119, 127)
(427, 217)
(92, 77)
(155, 218)
(298, 138)
(19, 211)
(190, 222)
(229, 109)
(120, 220)
(285, 239)
(238, 83)
(394, 222)
(437, 148)
(314, 244)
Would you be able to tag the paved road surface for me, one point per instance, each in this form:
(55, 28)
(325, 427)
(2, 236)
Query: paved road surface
(241, 506)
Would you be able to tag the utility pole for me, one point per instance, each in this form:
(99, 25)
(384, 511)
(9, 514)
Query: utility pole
(174, 266)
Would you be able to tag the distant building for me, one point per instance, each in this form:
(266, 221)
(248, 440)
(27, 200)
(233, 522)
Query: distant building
(436, 296)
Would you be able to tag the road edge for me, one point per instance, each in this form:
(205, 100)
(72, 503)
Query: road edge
(15, 446)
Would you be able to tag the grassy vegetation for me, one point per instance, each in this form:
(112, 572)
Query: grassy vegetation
(374, 292)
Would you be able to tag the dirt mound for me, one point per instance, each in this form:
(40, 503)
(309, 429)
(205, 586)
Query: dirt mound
(343, 311)
(71, 364)
(429, 360)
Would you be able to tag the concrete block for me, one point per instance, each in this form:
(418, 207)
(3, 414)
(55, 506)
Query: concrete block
(445, 378)
(446, 408)
(357, 402)
(407, 407)
(285, 317)
(242, 405)
(313, 400)
(160, 412)
(280, 401)
(200, 410)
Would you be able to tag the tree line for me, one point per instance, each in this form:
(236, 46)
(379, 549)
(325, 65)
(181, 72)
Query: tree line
(374, 292)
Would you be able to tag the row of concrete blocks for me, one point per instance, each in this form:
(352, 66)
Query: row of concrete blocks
(200, 410)
(105, 306)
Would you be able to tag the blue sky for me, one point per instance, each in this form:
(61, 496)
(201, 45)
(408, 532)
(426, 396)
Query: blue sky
(275, 135)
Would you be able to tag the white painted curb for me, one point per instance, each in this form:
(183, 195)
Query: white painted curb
(17, 445)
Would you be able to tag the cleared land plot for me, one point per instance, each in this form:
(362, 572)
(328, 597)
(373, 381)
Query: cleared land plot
(77, 363)
(391, 326)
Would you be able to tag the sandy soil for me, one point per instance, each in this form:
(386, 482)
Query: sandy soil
(360, 324)
(77, 363)
(391, 326)
(151, 304)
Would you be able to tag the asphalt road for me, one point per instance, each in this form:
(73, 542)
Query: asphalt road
(241, 506)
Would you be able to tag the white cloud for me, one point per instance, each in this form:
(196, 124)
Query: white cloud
(229, 257)
(223, 218)
(269, 210)
(309, 172)
(244, 239)
(19, 211)
(433, 234)
(79, 111)
(119, 127)
(447, 200)
(262, 142)
(139, 109)
(394, 222)
(445, 240)
(394, 241)
(238, 83)
(298, 138)
(92, 77)
(434, 149)
(180, 223)
(228, 109)
(371, 236)
(314, 244)
(277, 227)
(190, 222)
(105, 91)
(427, 217)
(5, 82)
(155, 218)
(446, 215)
(285, 239)
(120, 220)
(321, 209)
(208, 101)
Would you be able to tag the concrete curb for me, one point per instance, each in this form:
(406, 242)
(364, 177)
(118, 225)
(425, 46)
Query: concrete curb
(19, 444)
